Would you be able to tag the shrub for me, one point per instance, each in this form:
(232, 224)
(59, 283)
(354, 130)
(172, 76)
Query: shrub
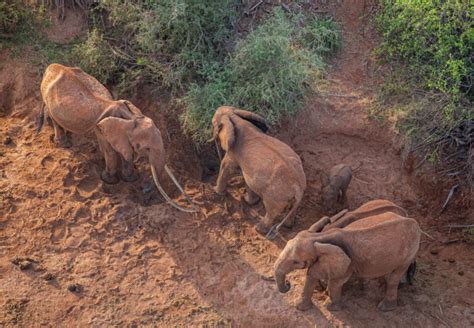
(429, 46)
(11, 12)
(270, 72)
(433, 39)
(322, 36)
(94, 56)
(168, 40)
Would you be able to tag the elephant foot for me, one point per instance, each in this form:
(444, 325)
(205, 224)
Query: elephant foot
(107, 178)
(387, 305)
(251, 199)
(321, 285)
(261, 228)
(334, 306)
(131, 177)
(304, 305)
(218, 191)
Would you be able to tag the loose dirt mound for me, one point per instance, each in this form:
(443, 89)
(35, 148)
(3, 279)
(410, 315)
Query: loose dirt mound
(75, 251)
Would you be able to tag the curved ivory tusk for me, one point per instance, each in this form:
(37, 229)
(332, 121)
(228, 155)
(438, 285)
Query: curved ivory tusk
(167, 169)
(165, 195)
(218, 150)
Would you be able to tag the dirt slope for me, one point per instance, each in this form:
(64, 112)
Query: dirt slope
(138, 262)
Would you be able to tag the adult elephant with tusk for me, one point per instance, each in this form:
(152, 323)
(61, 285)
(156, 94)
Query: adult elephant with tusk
(78, 103)
(271, 169)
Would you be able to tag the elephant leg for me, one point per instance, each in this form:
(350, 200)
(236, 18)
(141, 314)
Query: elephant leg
(310, 284)
(225, 171)
(344, 197)
(128, 173)
(273, 210)
(250, 197)
(109, 175)
(335, 290)
(290, 221)
(389, 303)
(60, 137)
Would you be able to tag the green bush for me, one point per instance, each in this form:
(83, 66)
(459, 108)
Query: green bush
(322, 36)
(270, 72)
(11, 13)
(429, 44)
(94, 56)
(433, 40)
(169, 40)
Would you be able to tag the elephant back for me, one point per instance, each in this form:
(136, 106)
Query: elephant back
(74, 99)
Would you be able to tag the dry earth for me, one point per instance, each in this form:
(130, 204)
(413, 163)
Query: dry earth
(77, 252)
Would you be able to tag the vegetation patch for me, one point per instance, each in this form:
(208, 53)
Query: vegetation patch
(270, 71)
(429, 46)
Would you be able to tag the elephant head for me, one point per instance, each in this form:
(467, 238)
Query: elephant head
(129, 132)
(223, 125)
(329, 194)
(307, 251)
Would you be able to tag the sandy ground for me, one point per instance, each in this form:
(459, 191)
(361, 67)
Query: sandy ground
(77, 252)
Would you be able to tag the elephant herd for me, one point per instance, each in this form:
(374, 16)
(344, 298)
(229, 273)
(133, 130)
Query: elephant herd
(375, 240)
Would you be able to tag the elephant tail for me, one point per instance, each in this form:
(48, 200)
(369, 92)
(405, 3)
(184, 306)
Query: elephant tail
(411, 272)
(40, 119)
(274, 230)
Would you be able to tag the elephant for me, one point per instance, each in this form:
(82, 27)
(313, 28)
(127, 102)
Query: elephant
(271, 169)
(334, 186)
(78, 103)
(376, 246)
(371, 208)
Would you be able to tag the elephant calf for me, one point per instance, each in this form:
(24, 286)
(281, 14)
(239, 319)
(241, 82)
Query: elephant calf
(334, 186)
(381, 245)
(271, 169)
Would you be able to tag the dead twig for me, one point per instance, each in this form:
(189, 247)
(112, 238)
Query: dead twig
(254, 7)
(460, 226)
(428, 235)
(451, 193)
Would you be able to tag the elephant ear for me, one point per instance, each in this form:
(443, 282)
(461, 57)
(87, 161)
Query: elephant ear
(332, 259)
(253, 118)
(116, 131)
(132, 108)
(226, 133)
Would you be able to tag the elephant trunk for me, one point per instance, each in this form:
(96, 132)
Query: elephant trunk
(280, 277)
(164, 194)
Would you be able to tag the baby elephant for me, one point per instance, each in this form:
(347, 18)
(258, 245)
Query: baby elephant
(334, 186)
(380, 245)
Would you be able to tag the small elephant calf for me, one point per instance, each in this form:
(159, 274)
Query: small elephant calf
(383, 245)
(334, 186)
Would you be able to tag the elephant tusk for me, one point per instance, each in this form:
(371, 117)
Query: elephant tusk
(218, 150)
(165, 195)
(167, 169)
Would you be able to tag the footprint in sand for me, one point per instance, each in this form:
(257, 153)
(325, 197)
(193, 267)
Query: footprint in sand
(88, 187)
(58, 231)
(47, 162)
